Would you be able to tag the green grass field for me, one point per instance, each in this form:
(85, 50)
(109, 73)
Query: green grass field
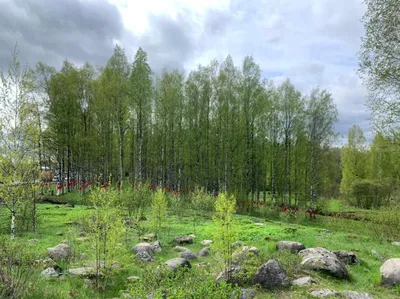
(333, 234)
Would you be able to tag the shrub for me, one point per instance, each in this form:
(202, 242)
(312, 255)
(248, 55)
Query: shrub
(159, 209)
(195, 283)
(224, 234)
(369, 193)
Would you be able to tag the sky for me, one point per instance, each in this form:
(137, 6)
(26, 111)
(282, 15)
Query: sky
(312, 42)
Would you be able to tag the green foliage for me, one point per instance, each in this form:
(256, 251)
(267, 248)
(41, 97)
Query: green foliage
(224, 233)
(195, 283)
(159, 209)
(379, 65)
(15, 269)
(106, 230)
(369, 193)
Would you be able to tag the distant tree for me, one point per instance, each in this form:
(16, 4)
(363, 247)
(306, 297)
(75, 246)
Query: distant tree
(321, 116)
(354, 159)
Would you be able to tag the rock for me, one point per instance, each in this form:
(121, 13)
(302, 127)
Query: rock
(293, 247)
(321, 259)
(356, 295)
(156, 246)
(49, 263)
(204, 252)
(259, 224)
(396, 243)
(188, 254)
(33, 240)
(390, 272)
(303, 281)
(347, 257)
(237, 244)
(239, 257)
(49, 273)
(193, 236)
(178, 262)
(251, 249)
(83, 239)
(143, 247)
(85, 272)
(144, 256)
(247, 293)
(149, 237)
(180, 248)
(376, 254)
(325, 293)
(270, 275)
(133, 278)
(206, 242)
(60, 252)
(233, 275)
(59, 234)
(69, 205)
(184, 240)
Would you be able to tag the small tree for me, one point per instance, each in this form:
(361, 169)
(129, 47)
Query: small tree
(159, 209)
(106, 229)
(18, 137)
(224, 233)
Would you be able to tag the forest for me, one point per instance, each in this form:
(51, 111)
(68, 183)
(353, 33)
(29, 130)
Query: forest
(98, 159)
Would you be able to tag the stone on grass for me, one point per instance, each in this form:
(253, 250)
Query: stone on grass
(234, 275)
(143, 247)
(204, 252)
(293, 247)
(251, 249)
(270, 275)
(239, 257)
(259, 224)
(88, 282)
(184, 240)
(60, 252)
(320, 259)
(188, 254)
(49, 273)
(59, 234)
(149, 237)
(303, 281)
(247, 293)
(156, 246)
(176, 263)
(347, 257)
(33, 240)
(206, 242)
(396, 243)
(237, 244)
(325, 293)
(84, 272)
(180, 248)
(83, 239)
(133, 278)
(144, 256)
(390, 272)
(356, 295)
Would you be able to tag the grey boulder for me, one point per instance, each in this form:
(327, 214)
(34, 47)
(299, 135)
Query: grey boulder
(320, 259)
(270, 275)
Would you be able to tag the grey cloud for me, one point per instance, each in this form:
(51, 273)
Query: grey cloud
(169, 42)
(53, 30)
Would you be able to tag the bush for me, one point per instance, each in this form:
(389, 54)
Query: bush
(15, 269)
(369, 194)
(195, 283)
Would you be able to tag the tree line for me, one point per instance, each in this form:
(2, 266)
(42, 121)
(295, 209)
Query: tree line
(221, 127)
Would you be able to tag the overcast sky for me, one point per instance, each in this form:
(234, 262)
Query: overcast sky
(312, 42)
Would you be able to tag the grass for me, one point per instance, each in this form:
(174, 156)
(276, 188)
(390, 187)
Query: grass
(328, 232)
